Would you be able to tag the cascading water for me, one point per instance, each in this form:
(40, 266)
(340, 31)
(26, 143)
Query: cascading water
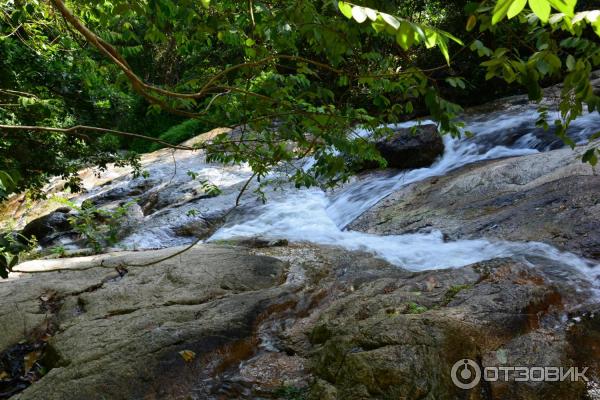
(170, 206)
(311, 216)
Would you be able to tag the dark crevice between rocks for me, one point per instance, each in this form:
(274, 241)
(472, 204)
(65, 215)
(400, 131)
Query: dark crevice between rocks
(584, 340)
(28, 361)
(119, 274)
(216, 371)
(202, 227)
(223, 379)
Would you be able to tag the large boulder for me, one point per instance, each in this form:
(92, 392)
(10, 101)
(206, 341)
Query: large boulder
(105, 328)
(410, 148)
(378, 332)
(400, 338)
(296, 321)
(48, 228)
(548, 197)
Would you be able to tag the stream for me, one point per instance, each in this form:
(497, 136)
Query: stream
(313, 216)
(170, 207)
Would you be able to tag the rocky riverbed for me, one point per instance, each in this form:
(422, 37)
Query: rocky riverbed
(374, 291)
(229, 321)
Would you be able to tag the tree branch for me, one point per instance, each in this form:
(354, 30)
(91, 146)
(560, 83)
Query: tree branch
(74, 131)
(143, 88)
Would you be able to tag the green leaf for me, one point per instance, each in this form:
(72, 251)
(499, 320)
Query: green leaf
(516, 7)
(431, 38)
(541, 8)
(595, 136)
(13, 260)
(359, 14)
(591, 157)
(7, 183)
(456, 82)
(471, 22)
(420, 34)
(345, 8)
(390, 20)
(556, 18)
(379, 25)
(205, 3)
(564, 6)
(570, 62)
(250, 42)
(500, 10)
(405, 36)
(443, 45)
(451, 37)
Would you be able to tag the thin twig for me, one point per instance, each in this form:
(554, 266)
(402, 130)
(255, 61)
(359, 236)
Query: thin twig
(73, 130)
(195, 242)
(237, 200)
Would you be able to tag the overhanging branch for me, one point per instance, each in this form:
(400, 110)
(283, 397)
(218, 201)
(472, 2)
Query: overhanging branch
(146, 90)
(76, 129)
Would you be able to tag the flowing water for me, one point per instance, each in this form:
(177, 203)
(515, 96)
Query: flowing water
(313, 216)
(169, 199)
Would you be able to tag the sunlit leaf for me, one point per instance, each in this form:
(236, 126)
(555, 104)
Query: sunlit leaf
(516, 7)
(345, 8)
(6, 181)
(443, 45)
(359, 14)
(390, 20)
(471, 22)
(500, 10)
(451, 37)
(187, 355)
(564, 6)
(431, 38)
(372, 14)
(405, 36)
(541, 8)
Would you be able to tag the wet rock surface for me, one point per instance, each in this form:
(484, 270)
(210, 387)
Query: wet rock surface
(378, 332)
(119, 328)
(549, 197)
(230, 322)
(168, 205)
(50, 228)
(400, 338)
(253, 317)
(407, 148)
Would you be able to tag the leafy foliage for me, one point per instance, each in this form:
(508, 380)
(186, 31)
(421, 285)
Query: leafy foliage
(407, 32)
(100, 228)
(13, 249)
(206, 186)
(298, 76)
(563, 48)
(181, 132)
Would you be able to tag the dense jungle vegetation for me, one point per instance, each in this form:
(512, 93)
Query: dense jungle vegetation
(81, 82)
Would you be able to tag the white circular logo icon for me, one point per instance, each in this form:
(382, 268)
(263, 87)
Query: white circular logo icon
(466, 374)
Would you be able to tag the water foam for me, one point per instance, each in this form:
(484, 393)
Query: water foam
(311, 216)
